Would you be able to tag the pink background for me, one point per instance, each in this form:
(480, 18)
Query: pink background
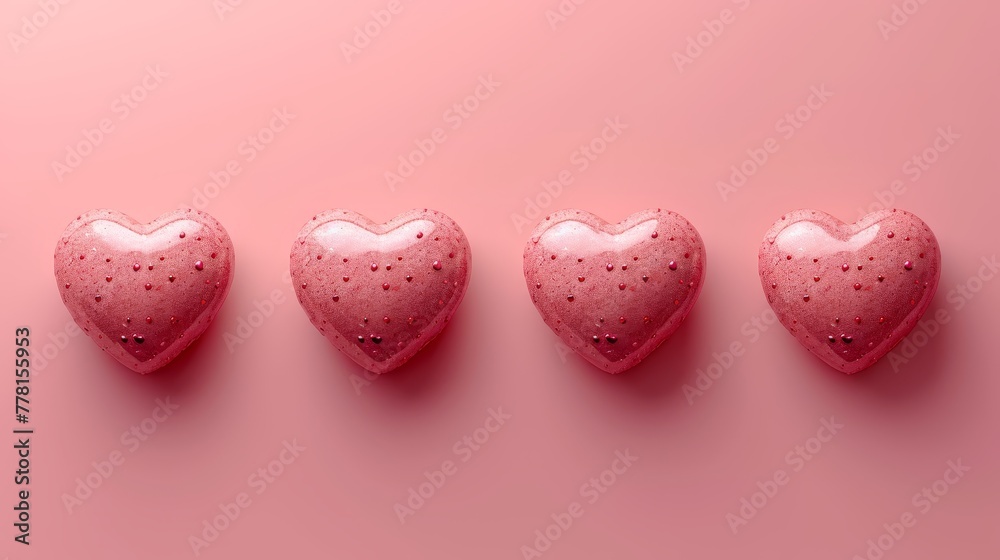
(367, 445)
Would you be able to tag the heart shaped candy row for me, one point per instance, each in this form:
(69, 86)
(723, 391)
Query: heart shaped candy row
(612, 292)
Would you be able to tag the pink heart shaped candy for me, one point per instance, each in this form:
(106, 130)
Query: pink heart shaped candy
(614, 292)
(849, 292)
(380, 292)
(144, 292)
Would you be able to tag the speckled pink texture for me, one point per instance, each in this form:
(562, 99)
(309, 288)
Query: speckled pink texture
(849, 292)
(614, 292)
(380, 292)
(144, 292)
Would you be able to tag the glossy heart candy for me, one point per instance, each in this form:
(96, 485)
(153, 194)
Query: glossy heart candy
(849, 292)
(614, 292)
(144, 292)
(380, 292)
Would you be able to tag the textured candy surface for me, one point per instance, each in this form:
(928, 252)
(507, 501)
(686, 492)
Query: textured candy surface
(144, 292)
(380, 292)
(849, 292)
(614, 292)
